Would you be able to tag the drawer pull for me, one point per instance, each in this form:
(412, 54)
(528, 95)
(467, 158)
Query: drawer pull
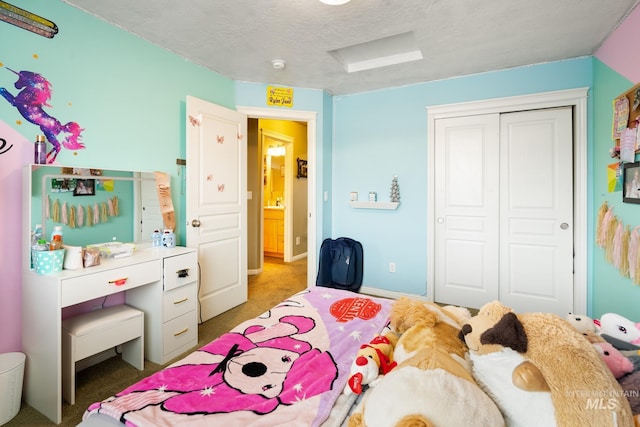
(119, 282)
(181, 301)
(183, 273)
(181, 332)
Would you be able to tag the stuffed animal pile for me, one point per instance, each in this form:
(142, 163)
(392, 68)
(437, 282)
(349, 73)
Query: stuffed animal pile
(616, 339)
(432, 384)
(618, 363)
(547, 356)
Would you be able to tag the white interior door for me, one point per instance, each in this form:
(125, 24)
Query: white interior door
(216, 203)
(150, 212)
(536, 213)
(466, 209)
(503, 210)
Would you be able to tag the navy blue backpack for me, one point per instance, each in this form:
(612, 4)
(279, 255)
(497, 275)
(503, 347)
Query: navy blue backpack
(340, 264)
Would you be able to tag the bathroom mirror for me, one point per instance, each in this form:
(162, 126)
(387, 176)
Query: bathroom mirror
(274, 179)
(91, 205)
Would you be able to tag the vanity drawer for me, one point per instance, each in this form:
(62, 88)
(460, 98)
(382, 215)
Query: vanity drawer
(180, 301)
(180, 270)
(89, 286)
(180, 334)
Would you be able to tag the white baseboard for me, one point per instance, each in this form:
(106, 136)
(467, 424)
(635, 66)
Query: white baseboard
(300, 256)
(389, 294)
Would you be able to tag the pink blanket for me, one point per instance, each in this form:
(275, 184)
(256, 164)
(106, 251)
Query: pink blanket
(285, 367)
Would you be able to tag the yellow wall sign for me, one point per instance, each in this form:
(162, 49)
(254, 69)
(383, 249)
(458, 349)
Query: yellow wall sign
(280, 96)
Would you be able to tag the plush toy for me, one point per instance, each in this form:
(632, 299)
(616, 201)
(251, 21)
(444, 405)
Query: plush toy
(515, 384)
(618, 364)
(431, 386)
(372, 361)
(584, 324)
(583, 390)
(618, 327)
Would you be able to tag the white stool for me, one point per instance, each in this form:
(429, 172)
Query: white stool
(96, 331)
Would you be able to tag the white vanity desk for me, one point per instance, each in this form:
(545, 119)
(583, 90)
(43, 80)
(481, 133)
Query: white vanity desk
(162, 282)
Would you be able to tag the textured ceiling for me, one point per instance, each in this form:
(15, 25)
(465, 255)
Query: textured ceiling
(240, 38)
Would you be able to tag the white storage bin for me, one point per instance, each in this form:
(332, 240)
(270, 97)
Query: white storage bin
(11, 376)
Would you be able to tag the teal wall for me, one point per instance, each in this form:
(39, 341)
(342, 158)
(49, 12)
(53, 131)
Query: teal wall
(611, 291)
(127, 94)
(384, 133)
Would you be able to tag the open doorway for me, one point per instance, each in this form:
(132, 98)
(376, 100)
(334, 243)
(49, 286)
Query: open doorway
(299, 129)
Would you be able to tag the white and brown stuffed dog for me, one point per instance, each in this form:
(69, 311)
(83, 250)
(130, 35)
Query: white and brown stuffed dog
(431, 386)
(513, 382)
(582, 389)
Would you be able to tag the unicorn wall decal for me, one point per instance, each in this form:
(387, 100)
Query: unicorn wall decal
(35, 92)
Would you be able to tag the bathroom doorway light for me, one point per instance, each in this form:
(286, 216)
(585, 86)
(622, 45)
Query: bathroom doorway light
(276, 151)
(335, 2)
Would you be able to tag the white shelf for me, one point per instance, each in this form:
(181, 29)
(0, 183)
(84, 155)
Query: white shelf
(375, 205)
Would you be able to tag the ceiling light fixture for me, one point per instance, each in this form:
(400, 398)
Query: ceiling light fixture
(276, 151)
(278, 64)
(335, 2)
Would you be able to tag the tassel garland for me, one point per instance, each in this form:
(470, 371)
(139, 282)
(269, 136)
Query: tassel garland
(621, 244)
(74, 216)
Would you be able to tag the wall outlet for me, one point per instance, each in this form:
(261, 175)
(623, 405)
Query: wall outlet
(392, 267)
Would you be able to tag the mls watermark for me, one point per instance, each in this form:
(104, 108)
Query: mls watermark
(603, 400)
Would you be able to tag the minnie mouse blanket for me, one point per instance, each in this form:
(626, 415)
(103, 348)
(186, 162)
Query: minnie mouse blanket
(285, 367)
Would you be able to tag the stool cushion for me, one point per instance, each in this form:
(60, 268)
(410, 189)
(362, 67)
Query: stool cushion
(99, 319)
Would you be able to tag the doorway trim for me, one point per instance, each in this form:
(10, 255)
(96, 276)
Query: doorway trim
(310, 118)
(576, 98)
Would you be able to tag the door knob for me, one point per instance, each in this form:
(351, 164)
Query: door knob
(440, 220)
(564, 225)
(195, 223)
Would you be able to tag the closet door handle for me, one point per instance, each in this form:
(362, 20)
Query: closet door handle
(564, 226)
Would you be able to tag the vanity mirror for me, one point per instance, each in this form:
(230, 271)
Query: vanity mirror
(91, 205)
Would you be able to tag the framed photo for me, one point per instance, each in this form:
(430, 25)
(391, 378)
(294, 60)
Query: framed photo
(302, 168)
(631, 182)
(85, 187)
(62, 185)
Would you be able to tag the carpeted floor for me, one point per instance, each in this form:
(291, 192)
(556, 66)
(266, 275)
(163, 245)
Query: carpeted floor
(276, 282)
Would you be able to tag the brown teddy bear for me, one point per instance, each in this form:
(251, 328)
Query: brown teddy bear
(582, 388)
(431, 386)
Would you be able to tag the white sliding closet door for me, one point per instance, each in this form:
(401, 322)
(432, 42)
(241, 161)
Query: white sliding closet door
(504, 210)
(536, 212)
(466, 209)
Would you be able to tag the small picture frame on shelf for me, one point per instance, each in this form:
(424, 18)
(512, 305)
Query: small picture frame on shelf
(85, 187)
(631, 182)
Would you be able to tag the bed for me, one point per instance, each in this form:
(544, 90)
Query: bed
(288, 366)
